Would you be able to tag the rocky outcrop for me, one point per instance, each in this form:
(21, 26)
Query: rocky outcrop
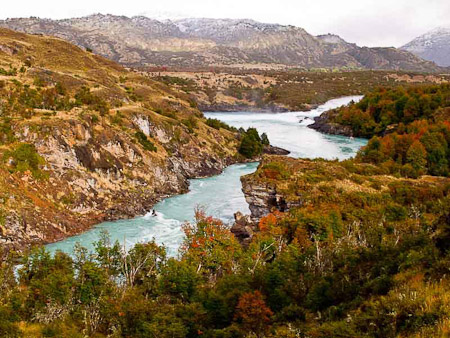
(264, 198)
(272, 150)
(243, 228)
(324, 124)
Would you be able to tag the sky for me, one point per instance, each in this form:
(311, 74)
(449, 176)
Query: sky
(365, 22)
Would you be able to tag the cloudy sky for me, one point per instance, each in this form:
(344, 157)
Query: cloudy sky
(365, 22)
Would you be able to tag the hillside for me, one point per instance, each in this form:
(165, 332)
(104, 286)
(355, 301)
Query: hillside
(140, 42)
(280, 90)
(433, 46)
(83, 140)
(370, 249)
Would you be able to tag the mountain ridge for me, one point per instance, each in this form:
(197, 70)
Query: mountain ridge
(433, 46)
(140, 41)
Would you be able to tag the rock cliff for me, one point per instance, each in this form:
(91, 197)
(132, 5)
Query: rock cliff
(83, 140)
(265, 195)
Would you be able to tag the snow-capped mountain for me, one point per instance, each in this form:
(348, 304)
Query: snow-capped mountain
(140, 41)
(433, 46)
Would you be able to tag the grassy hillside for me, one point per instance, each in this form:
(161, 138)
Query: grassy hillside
(83, 140)
(237, 89)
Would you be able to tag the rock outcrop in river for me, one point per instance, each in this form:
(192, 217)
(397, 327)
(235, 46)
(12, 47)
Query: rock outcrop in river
(325, 124)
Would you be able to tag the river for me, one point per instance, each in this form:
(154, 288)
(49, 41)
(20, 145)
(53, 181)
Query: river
(221, 195)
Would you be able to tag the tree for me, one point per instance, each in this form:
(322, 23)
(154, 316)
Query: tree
(142, 262)
(253, 313)
(417, 157)
(209, 246)
(264, 139)
(251, 144)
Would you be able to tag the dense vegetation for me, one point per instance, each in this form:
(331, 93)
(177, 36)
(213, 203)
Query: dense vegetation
(374, 266)
(415, 123)
(394, 109)
(252, 144)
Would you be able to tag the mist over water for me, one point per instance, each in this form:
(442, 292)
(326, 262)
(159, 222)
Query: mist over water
(221, 195)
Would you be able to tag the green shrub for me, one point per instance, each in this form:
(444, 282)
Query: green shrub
(251, 144)
(190, 123)
(24, 158)
(145, 142)
(6, 132)
(217, 124)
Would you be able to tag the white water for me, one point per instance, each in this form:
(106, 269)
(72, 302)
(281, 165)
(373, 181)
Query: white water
(289, 131)
(221, 195)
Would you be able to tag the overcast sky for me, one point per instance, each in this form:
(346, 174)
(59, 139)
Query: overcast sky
(365, 22)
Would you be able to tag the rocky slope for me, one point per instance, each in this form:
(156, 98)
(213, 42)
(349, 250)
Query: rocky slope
(140, 41)
(83, 140)
(433, 46)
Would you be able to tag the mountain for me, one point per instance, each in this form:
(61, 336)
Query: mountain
(140, 41)
(433, 46)
(83, 140)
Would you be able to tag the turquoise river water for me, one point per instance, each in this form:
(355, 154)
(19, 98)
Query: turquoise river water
(221, 195)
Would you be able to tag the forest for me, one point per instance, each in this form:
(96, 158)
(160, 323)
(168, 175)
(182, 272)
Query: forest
(410, 129)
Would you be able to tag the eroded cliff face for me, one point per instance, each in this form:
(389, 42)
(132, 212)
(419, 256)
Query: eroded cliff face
(267, 195)
(83, 140)
(98, 172)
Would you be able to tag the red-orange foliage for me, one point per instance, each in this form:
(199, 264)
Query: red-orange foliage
(209, 243)
(253, 313)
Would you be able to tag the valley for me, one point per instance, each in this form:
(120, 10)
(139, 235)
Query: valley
(221, 196)
(84, 140)
(221, 178)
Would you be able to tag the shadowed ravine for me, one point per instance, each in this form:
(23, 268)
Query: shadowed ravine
(221, 195)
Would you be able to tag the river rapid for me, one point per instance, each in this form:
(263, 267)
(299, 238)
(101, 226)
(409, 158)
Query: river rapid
(221, 196)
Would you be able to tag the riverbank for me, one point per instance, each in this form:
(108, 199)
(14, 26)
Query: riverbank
(283, 131)
(84, 140)
(114, 224)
